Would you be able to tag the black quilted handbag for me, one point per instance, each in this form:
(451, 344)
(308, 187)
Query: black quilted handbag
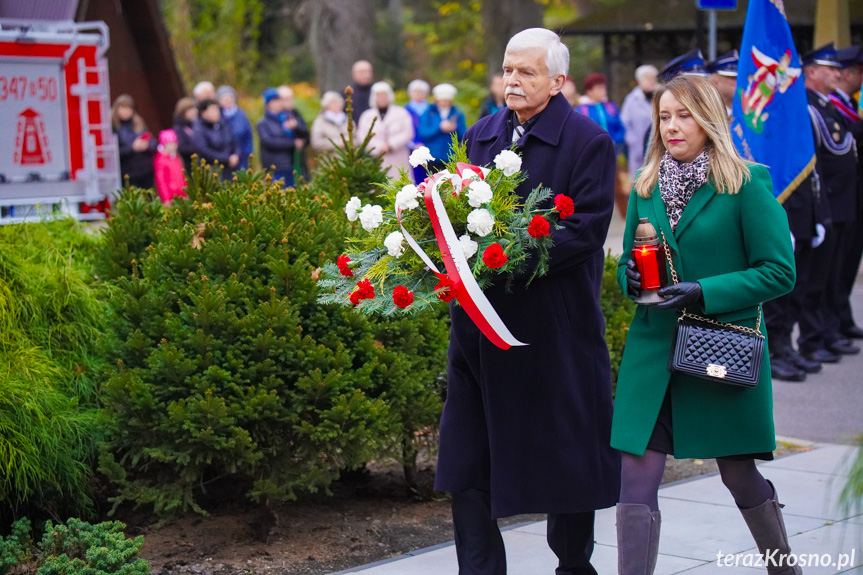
(716, 351)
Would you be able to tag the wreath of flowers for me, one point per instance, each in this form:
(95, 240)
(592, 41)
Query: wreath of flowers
(502, 236)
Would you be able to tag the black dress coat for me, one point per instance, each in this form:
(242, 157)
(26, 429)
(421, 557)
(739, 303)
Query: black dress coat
(532, 424)
(215, 143)
(838, 173)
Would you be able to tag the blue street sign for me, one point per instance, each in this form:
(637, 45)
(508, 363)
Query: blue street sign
(716, 4)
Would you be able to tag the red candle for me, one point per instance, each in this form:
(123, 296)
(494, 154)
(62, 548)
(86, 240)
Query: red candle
(650, 263)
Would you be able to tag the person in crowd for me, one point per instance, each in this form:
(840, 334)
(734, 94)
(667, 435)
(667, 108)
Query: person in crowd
(277, 138)
(850, 79)
(236, 118)
(635, 116)
(418, 92)
(601, 111)
(213, 139)
(527, 430)
(495, 102)
(392, 131)
(439, 123)
(135, 141)
(696, 190)
(723, 74)
(185, 115)
(362, 76)
(330, 125)
(836, 164)
(570, 91)
(204, 91)
(168, 167)
(296, 124)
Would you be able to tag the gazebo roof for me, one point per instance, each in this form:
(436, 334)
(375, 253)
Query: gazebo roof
(639, 16)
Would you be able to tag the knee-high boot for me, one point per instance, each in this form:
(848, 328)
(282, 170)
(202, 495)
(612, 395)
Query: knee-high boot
(637, 539)
(767, 526)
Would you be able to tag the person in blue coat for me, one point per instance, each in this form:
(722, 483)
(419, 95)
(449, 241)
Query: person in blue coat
(439, 122)
(213, 139)
(528, 430)
(278, 140)
(603, 112)
(239, 122)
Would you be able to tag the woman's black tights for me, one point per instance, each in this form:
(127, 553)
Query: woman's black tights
(642, 474)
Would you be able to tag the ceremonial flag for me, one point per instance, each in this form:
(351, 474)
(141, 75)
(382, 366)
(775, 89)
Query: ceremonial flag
(771, 123)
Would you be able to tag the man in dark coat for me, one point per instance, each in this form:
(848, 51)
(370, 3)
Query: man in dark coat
(277, 139)
(362, 78)
(214, 140)
(527, 430)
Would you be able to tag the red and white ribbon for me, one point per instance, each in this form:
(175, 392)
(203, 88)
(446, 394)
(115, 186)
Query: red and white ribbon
(467, 291)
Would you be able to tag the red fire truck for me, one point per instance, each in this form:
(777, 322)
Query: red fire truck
(57, 150)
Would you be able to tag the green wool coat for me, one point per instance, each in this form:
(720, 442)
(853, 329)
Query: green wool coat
(738, 247)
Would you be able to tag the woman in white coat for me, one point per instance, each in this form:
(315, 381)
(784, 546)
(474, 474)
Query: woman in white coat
(392, 132)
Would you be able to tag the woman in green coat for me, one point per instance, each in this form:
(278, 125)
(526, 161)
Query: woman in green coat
(731, 249)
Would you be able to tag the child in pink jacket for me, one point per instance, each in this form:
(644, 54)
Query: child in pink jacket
(170, 179)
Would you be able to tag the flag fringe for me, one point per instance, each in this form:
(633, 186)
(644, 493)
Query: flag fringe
(789, 189)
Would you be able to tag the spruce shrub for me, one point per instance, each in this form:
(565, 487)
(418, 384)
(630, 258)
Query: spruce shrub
(228, 370)
(51, 353)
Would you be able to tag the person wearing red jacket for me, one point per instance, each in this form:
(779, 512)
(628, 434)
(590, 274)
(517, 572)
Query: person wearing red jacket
(168, 168)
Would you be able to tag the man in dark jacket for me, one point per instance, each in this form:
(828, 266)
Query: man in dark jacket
(214, 140)
(362, 78)
(277, 138)
(527, 430)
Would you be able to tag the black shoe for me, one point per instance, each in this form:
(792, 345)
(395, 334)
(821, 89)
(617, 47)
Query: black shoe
(801, 362)
(853, 332)
(843, 347)
(822, 356)
(784, 370)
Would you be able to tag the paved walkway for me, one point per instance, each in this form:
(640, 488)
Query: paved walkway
(699, 520)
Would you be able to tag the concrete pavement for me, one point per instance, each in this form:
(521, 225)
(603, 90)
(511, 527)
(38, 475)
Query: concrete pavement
(699, 521)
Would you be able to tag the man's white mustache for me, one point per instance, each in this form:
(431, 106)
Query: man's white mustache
(514, 90)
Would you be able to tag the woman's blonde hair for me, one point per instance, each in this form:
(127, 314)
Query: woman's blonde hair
(727, 169)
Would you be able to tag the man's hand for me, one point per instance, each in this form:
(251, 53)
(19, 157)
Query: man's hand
(299, 144)
(820, 234)
(681, 295)
(233, 160)
(633, 279)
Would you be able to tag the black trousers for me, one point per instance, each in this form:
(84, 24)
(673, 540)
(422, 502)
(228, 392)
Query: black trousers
(848, 274)
(810, 309)
(834, 296)
(782, 313)
(479, 544)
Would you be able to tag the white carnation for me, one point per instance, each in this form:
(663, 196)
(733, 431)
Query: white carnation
(406, 198)
(421, 155)
(480, 222)
(352, 208)
(508, 162)
(478, 194)
(371, 217)
(393, 243)
(468, 246)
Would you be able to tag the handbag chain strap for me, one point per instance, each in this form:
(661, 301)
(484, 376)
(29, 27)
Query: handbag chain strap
(684, 313)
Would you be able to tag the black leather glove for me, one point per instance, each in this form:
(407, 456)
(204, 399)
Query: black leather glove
(633, 279)
(681, 295)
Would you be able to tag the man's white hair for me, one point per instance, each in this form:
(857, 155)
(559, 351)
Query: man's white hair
(421, 84)
(202, 87)
(556, 52)
(641, 71)
(330, 97)
(381, 87)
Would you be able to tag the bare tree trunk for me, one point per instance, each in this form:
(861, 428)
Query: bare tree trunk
(391, 53)
(502, 19)
(340, 32)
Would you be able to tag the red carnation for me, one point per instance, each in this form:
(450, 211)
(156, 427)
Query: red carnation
(538, 227)
(366, 290)
(448, 287)
(355, 297)
(494, 257)
(402, 297)
(343, 262)
(564, 205)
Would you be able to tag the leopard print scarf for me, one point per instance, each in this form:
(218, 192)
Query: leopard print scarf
(679, 181)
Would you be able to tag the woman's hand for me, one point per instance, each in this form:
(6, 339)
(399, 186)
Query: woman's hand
(633, 279)
(682, 295)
